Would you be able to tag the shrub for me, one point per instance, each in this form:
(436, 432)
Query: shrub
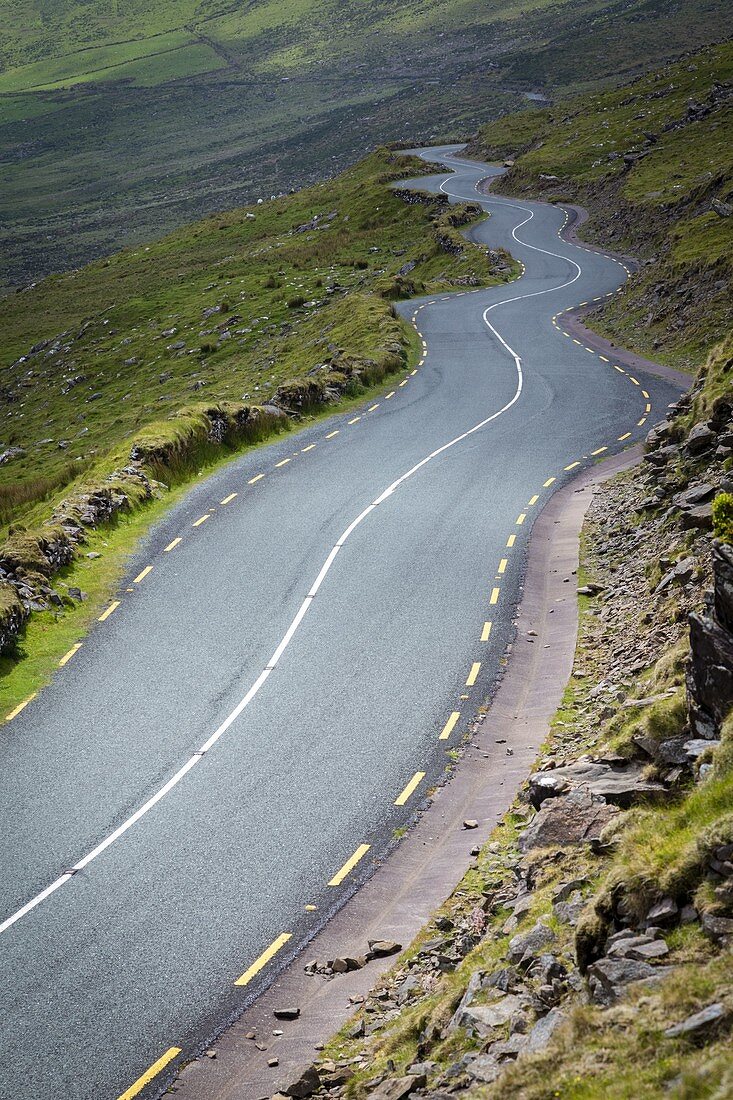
(296, 302)
(723, 516)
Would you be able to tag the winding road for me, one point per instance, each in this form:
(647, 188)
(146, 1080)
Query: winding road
(273, 691)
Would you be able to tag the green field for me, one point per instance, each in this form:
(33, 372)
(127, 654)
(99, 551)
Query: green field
(117, 124)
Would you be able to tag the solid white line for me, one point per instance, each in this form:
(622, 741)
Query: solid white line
(254, 689)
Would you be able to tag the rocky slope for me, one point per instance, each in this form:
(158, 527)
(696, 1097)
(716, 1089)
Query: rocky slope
(653, 164)
(587, 952)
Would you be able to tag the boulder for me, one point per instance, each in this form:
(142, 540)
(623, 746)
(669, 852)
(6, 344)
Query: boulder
(663, 455)
(397, 1087)
(607, 977)
(304, 1085)
(700, 438)
(543, 1030)
(664, 912)
(482, 1020)
(526, 945)
(379, 949)
(699, 1023)
(575, 818)
(680, 573)
(709, 675)
(485, 1068)
(723, 584)
(694, 494)
(619, 782)
(672, 751)
(640, 948)
(718, 929)
(722, 209)
(698, 517)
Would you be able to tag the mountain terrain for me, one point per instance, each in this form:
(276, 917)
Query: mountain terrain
(116, 126)
(130, 377)
(587, 952)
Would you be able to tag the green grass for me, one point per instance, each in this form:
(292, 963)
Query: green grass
(91, 64)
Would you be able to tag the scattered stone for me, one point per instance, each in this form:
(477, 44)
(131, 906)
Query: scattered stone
(381, 948)
(543, 1030)
(304, 1085)
(702, 1021)
(286, 1013)
(470, 824)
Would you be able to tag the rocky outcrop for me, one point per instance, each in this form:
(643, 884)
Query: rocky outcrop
(710, 665)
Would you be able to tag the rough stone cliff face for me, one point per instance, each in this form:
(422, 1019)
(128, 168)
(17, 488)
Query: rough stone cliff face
(710, 666)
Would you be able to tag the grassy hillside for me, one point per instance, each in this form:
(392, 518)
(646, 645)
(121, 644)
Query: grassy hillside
(651, 160)
(117, 124)
(228, 309)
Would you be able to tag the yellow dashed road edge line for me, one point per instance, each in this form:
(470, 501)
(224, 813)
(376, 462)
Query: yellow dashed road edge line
(410, 788)
(449, 726)
(21, 706)
(350, 864)
(150, 1074)
(264, 958)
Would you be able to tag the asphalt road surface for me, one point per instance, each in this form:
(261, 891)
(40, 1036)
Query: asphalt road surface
(240, 727)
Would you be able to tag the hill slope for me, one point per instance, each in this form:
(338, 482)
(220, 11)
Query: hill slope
(230, 309)
(115, 127)
(653, 163)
